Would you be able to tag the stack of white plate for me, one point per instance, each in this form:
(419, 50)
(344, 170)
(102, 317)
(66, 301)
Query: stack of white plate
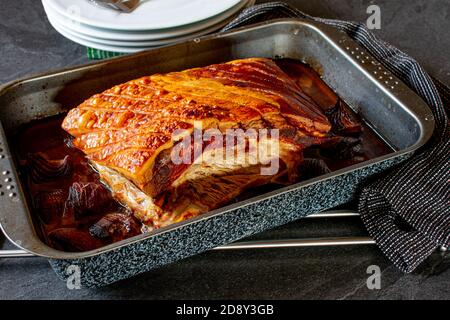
(152, 23)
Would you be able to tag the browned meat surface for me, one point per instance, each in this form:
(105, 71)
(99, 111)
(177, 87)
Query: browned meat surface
(130, 131)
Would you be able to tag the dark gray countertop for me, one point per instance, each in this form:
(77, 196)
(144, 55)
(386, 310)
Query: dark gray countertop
(30, 45)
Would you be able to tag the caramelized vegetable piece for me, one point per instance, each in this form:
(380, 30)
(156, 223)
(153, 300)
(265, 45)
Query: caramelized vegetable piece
(43, 169)
(88, 198)
(115, 227)
(50, 205)
(314, 168)
(344, 148)
(342, 121)
(72, 239)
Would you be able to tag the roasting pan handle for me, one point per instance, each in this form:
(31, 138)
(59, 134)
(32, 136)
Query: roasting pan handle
(387, 81)
(13, 208)
(8, 175)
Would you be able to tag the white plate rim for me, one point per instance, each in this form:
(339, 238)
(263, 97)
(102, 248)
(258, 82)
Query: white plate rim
(117, 35)
(61, 10)
(98, 46)
(140, 44)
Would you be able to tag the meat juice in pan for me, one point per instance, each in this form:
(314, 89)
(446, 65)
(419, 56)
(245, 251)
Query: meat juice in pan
(74, 211)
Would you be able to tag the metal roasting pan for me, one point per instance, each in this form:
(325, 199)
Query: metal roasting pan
(396, 113)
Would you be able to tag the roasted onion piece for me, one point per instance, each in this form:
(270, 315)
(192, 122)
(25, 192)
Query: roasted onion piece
(115, 227)
(313, 168)
(342, 121)
(72, 239)
(44, 170)
(344, 148)
(87, 198)
(50, 205)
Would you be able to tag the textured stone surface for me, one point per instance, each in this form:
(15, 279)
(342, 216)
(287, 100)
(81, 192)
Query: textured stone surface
(30, 45)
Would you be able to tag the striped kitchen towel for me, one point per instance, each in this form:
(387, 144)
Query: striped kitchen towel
(407, 211)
